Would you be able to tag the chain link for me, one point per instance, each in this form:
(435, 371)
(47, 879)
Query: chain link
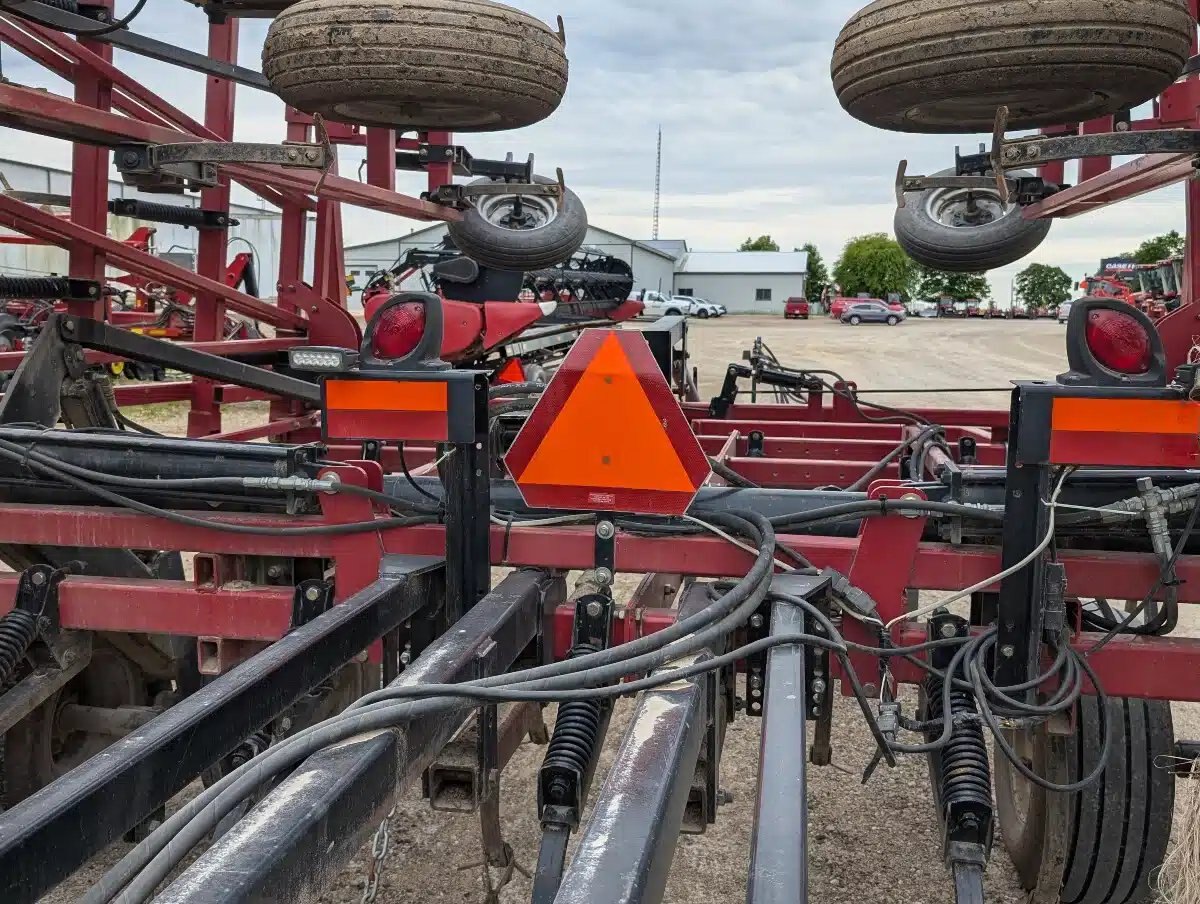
(379, 851)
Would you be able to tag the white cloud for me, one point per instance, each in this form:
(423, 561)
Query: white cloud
(754, 139)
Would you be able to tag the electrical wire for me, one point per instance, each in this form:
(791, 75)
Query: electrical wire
(1008, 572)
(115, 25)
(411, 482)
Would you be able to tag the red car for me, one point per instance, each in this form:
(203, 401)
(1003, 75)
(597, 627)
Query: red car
(796, 309)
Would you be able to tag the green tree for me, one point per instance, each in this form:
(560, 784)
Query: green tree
(818, 274)
(1043, 286)
(874, 264)
(762, 243)
(936, 284)
(1160, 248)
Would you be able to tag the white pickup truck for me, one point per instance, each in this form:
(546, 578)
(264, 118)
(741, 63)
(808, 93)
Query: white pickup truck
(659, 304)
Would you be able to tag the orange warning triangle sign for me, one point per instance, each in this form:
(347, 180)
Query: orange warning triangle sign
(608, 434)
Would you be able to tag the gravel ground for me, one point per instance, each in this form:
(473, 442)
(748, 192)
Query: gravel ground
(876, 844)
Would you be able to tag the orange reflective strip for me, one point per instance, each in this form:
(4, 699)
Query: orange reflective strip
(608, 434)
(1126, 416)
(386, 395)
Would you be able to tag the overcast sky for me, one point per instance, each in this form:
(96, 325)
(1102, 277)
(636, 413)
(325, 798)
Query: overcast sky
(754, 139)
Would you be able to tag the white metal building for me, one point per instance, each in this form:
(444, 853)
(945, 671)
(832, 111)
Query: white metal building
(653, 268)
(746, 282)
(259, 229)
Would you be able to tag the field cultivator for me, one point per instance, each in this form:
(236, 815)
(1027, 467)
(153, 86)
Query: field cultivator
(312, 625)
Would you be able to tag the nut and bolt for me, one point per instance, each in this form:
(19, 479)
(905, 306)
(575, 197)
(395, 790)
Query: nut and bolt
(949, 630)
(1008, 651)
(293, 154)
(275, 571)
(594, 609)
(756, 621)
(310, 154)
(1011, 153)
(68, 326)
(818, 687)
(603, 576)
(724, 797)
(129, 158)
(605, 530)
(38, 578)
(285, 725)
(756, 680)
(312, 594)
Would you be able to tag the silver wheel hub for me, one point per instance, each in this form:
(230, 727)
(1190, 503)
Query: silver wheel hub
(518, 213)
(961, 208)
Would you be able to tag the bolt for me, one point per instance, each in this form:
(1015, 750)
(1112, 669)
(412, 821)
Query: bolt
(604, 576)
(756, 621)
(755, 707)
(605, 530)
(755, 693)
(68, 326)
(818, 687)
(285, 725)
(275, 571)
(310, 155)
(594, 609)
(449, 152)
(312, 594)
(293, 154)
(43, 624)
(1011, 153)
(130, 158)
(68, 657)
(756, 680)
(38, 578)
(949, 630)
(724, 797)
(1008, 651)
(92, 290)
(1017, 494)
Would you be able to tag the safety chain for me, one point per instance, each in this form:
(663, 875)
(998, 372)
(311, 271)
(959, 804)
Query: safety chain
(379, 850)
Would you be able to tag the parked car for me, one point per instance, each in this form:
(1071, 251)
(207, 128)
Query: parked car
(871, 312)
(657, 304)
(699, 307)
(1064, 311)
(720, 309)
(840, 305)
(796, 309)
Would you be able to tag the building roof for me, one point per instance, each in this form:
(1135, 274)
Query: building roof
(677, 248)
(419, 235)
(737, 262)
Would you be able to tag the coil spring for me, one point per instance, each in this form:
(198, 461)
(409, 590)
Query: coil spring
(155, 212)
(34, 287)
(575, 739)
(965, 776)
(17, 632)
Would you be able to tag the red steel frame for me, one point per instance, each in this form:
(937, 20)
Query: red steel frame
(108, 107)
(824, 442)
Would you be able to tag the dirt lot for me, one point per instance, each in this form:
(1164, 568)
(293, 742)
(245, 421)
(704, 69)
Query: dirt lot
(869, 845)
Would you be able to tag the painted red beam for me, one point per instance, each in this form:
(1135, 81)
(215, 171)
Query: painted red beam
(828, 449)
(937, 566)
(274, 428)
(180, 390)
(802, 428)
(1137, 177)
(226, 348)
(960, 417)
(32, 221)
(1156, 668)
(50, 114)
(166, 607)
(802, 474)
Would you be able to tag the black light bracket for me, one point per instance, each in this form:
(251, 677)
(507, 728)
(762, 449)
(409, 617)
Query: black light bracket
(427, 354)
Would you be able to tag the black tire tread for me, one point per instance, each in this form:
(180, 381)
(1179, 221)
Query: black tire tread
(461, 65)
(522, 250)
(896, 56)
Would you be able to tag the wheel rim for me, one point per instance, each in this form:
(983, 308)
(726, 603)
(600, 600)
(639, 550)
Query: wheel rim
(960, 208)
(519, 213)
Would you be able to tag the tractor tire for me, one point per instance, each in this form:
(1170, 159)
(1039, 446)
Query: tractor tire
(436, 65)
(1106, 844)
(945, 66)
(547, 234)
(937, 229)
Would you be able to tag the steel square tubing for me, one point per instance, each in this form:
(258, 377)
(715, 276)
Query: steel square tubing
(779, 850)
(316, 820)
(48, 836)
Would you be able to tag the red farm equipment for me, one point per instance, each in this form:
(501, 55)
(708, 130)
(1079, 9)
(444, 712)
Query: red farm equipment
(312, 624)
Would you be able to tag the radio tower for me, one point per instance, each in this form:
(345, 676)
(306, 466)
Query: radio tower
(657, 184)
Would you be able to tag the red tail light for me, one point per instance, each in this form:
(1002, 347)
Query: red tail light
(1119, 342)
(398, 330)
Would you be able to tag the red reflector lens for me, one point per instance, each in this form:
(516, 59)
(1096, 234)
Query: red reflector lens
(399, 330)
(1119, 342)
